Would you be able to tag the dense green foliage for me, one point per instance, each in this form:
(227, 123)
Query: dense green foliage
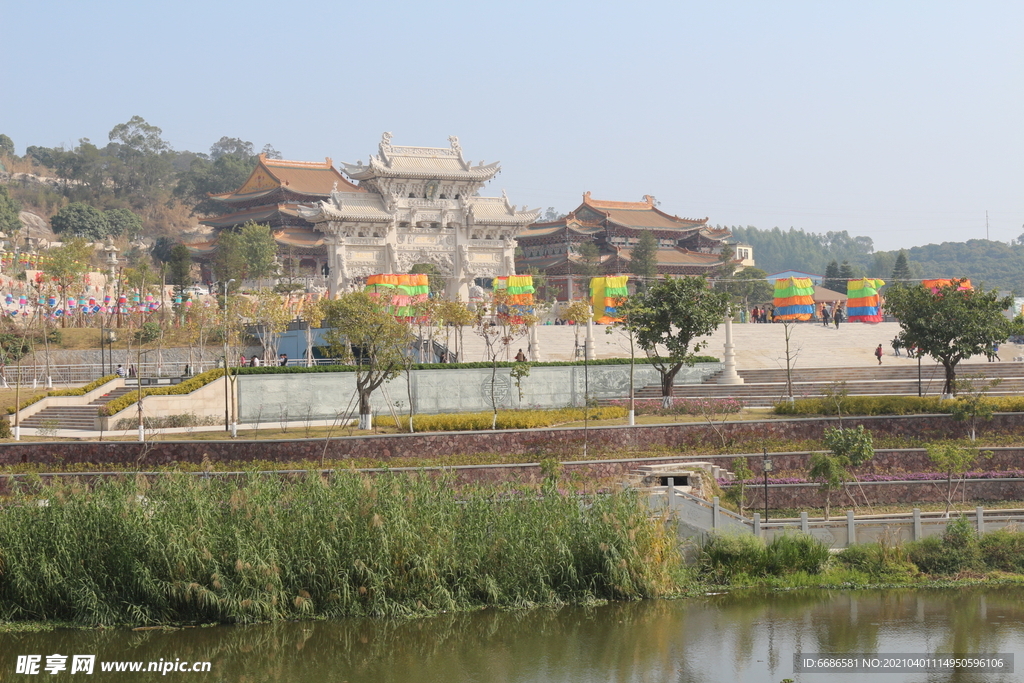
(726, 556)
(9, 209)
(997, 264)
(952, 324)
(672, 314)
(81, 219)
(123, 223)
(186, 549)
(138, 170)
(776, 250)
(643, 259)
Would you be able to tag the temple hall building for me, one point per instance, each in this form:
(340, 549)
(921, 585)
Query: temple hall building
(271, 196)
(686, 246)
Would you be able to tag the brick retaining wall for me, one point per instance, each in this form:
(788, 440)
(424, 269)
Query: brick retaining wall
(537, 443)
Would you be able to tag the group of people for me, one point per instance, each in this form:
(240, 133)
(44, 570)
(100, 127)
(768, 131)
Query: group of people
(762, 315)
(834, 314)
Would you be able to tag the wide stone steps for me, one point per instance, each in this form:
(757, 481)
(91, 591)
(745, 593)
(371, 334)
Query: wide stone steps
(765, 387)
(116, 393)
(73, 417)
(63, 417)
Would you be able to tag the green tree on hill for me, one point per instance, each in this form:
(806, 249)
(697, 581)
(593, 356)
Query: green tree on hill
(123, 223)
(846, 273)
(901, 269)
(80, 219)
(832, 279)
(9, 210)
(6, 145)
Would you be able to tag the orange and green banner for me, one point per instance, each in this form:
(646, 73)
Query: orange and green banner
(406, 292)
(864, 303)
(794, 298)
(605, 295)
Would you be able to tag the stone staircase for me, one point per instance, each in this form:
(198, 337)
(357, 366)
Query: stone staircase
(765, 387)
(72, 417)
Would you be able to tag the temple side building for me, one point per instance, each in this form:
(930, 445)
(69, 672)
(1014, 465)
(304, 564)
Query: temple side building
(686, 246)
(418, 205)
(272, 195)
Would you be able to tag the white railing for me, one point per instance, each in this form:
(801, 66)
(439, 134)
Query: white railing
(698, 517)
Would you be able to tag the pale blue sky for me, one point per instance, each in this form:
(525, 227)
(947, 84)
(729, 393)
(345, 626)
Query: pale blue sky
(903, 121)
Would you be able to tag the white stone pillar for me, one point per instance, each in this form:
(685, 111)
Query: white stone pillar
(729, 374)
(534, 344)
(588, 345)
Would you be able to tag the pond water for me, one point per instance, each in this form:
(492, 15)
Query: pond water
(750, 637)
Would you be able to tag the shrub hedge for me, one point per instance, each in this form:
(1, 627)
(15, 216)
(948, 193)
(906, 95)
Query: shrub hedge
(80, 391)
(507, 419)
(890, 405)
(278, 370)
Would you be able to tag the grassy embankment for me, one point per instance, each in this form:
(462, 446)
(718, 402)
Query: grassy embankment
(194, 550)
(797, 560)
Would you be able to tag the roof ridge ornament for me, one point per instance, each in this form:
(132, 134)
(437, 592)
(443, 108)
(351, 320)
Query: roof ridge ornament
(385, 145)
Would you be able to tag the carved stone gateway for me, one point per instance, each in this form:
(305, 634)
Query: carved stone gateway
(420, 206)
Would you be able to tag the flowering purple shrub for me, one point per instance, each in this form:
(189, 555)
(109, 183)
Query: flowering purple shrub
(683, 406)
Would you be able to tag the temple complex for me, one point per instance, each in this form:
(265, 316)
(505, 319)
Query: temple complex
(686, 246)
(417, 205)
(271, 196)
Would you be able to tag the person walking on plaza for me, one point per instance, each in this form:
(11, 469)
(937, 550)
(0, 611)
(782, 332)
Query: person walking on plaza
(825, 317)
(878, 354)
(837, 317)
(896, 346)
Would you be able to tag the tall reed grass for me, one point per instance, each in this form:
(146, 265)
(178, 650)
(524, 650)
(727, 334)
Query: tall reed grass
(181, 549)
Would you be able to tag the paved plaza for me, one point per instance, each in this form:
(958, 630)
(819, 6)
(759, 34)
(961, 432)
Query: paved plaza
(757, 346)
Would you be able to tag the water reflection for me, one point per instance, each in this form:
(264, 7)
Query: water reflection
(739, 637)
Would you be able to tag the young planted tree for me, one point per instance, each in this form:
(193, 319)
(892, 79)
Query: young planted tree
(737, 493)
(952, 324)
(953, 461)
(629, 332)
(578, 313)
(363, 332)
(267, 312)
(972, 404)
(830, 471)
(671, 314)
(454, 315)
(852, 448)
(499, 324)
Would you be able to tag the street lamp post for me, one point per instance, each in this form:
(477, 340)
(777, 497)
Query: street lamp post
(229, 426)
(766, 467)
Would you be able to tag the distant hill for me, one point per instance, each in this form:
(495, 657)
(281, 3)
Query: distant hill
(995, 264)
